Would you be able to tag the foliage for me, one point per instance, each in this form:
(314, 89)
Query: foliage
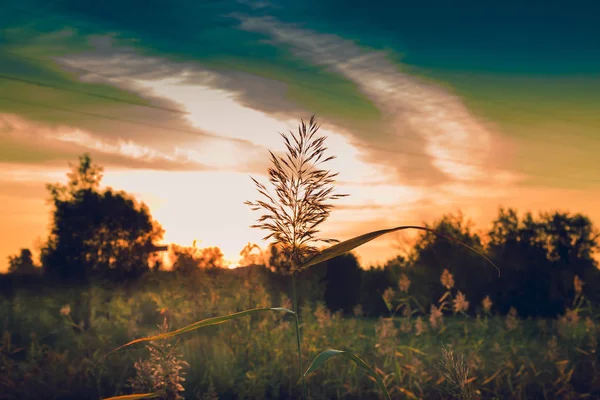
(278, 260)
(97, 234)
(22, 263)
(327, 354)
(162, 372)
(251, 255)
(547, 252)
(536, 279)
(342, 283)
(518, 361)
(456, 374)
(188, 260)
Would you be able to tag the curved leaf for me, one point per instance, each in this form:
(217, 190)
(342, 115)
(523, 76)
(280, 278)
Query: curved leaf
(412, 349)
(134, 396)
(350, 244)
(327, 354)
(201, 324)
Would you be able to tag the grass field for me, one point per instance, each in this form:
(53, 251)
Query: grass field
(47, 352)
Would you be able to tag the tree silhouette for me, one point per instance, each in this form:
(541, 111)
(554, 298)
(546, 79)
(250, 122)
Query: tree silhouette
(279, 261)
(540, 258)
(97, 234)
(22, 263)
(342, 283)
(211, 258)
(189, 260)
(251, 254)
(374, 282)
(526, 279)
(432, 254)
(570, 241)
(186, 259)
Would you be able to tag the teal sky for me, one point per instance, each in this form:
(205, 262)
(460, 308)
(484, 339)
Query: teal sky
(510, 92)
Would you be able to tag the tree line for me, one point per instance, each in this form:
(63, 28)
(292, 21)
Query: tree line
(106, 236)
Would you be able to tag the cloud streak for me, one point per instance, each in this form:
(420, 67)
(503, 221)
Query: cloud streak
(431, 137)
(244, 111)
(64, 139)
(427, 128)
(126, 68)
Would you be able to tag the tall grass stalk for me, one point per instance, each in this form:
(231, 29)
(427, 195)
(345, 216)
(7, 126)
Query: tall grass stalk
(297, 324)
(300, 204)
(303, 191)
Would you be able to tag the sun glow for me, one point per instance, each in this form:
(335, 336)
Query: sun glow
(209, 204)
(203, 206)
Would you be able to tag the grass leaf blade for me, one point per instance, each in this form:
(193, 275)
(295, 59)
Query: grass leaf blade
(327, 354)
(201, 324)
(350, 244)
(134, 396)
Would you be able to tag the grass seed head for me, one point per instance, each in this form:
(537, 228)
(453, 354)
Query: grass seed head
(486, 303)
(403, 283)
(436, 318)
(301, 194)
(447, 279)
(460, 303)
(578, 285)
(456, 374)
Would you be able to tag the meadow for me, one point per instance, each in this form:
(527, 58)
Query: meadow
(47, 354)
(102, 318)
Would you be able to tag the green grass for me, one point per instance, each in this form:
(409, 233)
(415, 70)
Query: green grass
(255, 357)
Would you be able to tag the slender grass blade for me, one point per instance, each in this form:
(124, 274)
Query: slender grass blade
(201, 324)
(327, 354)
(350, 244)
(134, 396)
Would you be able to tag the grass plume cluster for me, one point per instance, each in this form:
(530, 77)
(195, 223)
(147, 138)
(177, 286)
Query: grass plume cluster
(455, 372)
(162, 372)
(303, 190)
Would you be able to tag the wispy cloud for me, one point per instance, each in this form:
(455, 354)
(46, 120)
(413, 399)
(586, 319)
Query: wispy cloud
(428, 128)
(126, 68)
(430, 137)
(245, 111)
(72, 140)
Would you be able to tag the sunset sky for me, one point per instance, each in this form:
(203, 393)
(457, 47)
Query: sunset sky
(430, 108)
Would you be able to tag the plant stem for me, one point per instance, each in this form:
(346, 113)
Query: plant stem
(295, 306)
